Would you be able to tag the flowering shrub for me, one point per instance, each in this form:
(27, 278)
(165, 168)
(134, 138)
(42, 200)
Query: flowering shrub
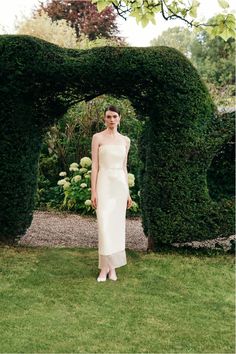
(77, 188)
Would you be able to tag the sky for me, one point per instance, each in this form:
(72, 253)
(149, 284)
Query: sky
(135, 34)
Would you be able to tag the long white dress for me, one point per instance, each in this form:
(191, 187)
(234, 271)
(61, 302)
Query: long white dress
(112, 195)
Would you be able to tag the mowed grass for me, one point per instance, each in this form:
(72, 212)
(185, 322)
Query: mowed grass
(50, 302)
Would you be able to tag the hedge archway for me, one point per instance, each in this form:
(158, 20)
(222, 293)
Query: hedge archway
(39, 81)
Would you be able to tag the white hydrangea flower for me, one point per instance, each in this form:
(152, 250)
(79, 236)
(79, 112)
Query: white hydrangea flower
(62, 174)
(74, 164)
(76, 178)
(83, 185)
(88, 202)
(61, 182)
(131, 179)
(87, 176)
(66, 185)
(73, 169)
(85, 162)
(83, 170)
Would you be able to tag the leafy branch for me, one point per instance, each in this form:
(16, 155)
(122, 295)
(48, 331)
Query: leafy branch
(186, 10)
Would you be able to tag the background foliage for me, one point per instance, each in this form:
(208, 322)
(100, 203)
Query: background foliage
(70, 140)
(83, 17)
(214, 59)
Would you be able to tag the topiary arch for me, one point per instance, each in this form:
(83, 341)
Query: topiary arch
(39, 81)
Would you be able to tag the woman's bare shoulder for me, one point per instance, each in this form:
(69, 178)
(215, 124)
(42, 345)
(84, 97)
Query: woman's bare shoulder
(124, 137)
(97, 136)
(127, 139)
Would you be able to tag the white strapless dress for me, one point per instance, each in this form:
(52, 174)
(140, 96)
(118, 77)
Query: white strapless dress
(112, 195)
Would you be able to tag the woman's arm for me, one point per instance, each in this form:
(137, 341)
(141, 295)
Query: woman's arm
(126, 158)
(94, 153)
(129, 200)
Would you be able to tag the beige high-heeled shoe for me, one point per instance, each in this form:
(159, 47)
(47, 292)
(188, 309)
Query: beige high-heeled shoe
(102, 278)
(111, 277)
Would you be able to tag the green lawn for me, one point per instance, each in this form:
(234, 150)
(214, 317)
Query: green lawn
(50, 302)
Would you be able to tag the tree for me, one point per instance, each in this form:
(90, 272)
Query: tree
(177, 37)
(60, 33)
(213, 58)
(215, 61)
(145, 10)
(83, 16)
(41, 26)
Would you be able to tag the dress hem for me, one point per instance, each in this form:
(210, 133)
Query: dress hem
(114, 260)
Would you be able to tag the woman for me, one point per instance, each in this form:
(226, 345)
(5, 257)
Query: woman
(110, 193)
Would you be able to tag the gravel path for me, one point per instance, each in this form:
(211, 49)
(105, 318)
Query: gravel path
(58, 229)
(69, 230)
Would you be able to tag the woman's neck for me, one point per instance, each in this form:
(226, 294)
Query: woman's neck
(112, 132)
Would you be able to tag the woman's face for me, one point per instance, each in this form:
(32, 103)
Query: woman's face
(112, 119)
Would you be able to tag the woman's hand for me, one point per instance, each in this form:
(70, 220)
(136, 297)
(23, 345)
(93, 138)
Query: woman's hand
(129, 202)
(94, 200)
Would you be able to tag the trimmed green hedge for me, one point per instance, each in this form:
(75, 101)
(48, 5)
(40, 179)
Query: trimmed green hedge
(39, 81)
